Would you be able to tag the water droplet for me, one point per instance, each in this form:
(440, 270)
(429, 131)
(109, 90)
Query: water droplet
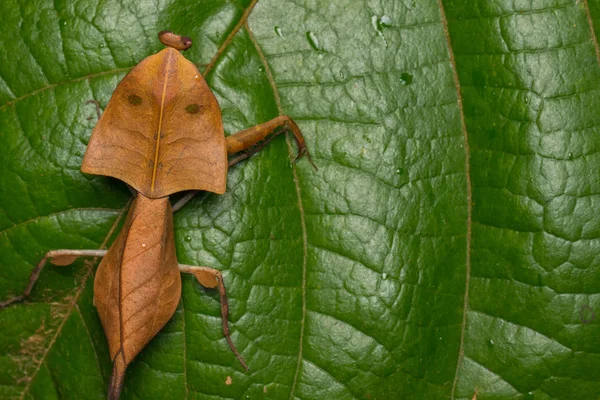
(78, 154)
(385, 21)
(313, 41)
(101, 45)
(218, 34)
(261, 69)
(188, 238)
(279, 32)
(493, 93)
(368, 139)
(400, 171)
(526, 100)
(62, 22)
(384, 276)
(570, 156)
(342, 74)
(406, 78)
(491, 342)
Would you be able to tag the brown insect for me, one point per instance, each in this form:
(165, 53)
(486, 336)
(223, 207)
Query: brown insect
(161, 133)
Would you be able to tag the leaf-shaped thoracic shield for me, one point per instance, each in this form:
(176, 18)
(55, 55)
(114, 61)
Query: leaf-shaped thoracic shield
(161, 131)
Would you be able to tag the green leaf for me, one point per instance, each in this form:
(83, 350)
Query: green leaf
(447, 247)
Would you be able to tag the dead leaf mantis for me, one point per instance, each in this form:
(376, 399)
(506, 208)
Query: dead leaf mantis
(161, 133)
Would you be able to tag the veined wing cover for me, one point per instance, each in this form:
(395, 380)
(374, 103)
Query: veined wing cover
(138, 285)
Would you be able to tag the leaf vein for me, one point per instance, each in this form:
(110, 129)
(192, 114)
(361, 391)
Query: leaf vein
(230, 37)
(65, 82)
(300, 207)
(469, 193)
(32, 220)
(592, 31)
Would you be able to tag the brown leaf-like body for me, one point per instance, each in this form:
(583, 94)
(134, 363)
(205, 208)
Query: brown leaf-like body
(138, 286)
(161, 131)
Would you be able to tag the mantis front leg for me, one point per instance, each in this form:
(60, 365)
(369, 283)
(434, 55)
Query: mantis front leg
(57, 257)
(261, 135)
(211, 278)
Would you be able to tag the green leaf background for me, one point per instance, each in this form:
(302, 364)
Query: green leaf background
(447, 247)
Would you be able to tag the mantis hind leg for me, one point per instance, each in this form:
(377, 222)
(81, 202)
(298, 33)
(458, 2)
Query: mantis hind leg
(211, 278)
(57, 257)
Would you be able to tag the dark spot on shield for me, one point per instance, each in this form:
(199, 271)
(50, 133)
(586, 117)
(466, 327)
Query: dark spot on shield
(134, 99)
(193, 109)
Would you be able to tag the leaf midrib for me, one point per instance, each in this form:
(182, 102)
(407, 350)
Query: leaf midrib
(469, 192)
(444, 21)
(592, 31)
(160, 121)
(300, 207)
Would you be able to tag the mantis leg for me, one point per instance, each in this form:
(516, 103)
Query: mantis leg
(57, 257)
(253, 140)
(211, 278)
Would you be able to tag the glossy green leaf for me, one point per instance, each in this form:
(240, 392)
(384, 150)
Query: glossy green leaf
(447, 247)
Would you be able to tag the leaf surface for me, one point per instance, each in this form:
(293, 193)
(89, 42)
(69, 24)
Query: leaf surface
(447, 246)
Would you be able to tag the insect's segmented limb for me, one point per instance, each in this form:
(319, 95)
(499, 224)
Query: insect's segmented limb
(250, 137)
(212, 278)
(57, 257)
(184, 200)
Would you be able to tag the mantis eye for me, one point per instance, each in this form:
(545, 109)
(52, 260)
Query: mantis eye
(186, 41)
